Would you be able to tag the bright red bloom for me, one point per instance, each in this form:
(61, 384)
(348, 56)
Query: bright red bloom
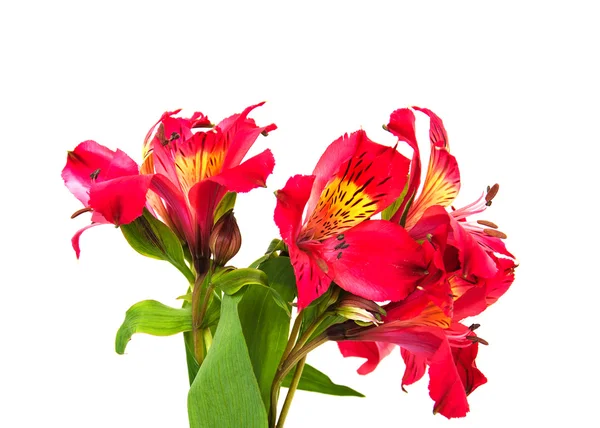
(194, 170)
(469, 252)
(187, 172)
(107, 183)
(355, 179)
(471, 268)
(426, 337)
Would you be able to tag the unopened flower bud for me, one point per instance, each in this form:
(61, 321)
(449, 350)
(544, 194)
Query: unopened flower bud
(225, 239)
(362, 311)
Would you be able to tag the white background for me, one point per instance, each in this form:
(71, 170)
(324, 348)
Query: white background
(515, 82)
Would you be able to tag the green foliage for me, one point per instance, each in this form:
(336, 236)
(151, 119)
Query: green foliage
(152, 317)
(315, 381)
(225, 393)
(152, 238)
(265, 325)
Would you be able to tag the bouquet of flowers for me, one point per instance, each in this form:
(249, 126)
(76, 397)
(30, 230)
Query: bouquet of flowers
(368, 256)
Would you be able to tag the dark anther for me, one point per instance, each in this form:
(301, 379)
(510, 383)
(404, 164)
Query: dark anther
(340, 237)
(95, 174)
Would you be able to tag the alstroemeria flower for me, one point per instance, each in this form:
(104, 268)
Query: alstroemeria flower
(194, 170)
(427, 338)
(466, 249)
(187, 172)
(355, 179)
(107, 182)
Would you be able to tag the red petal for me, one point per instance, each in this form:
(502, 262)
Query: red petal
(204, 198)
(364, 185)
(75, 238)
(249, 175)
(415, 367)
(440, 187)
(473, 258)
(177, 207)
(82, 163)
(470, 376)
(336, 154)
(376, 260)
(402, 125)
(291, 201)
(445, 385)
(374, 352)
(240, 133)
(437, 132)
(311, 281)
(423, 341)
(122, 199)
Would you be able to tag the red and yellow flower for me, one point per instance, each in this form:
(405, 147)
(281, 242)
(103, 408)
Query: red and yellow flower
(355, 179)
(470, 269)
(184, 175)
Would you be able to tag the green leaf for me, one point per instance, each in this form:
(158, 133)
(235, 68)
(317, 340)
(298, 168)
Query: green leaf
(152, 317)
(152, 238)
(389, 212)
(226, 204)
(266, 327)
(225, 393)
(232, 281)
(315, 381)
(274, 246)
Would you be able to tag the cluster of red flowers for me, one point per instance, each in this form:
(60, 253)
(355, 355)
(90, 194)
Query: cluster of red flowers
(432, 264)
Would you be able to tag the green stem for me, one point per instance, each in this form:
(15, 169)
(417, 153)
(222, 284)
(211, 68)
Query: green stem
(286, 352)
(290, 395)
(285, 368)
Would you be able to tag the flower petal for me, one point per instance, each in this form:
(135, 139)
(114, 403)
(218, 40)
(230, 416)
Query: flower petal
(364, 185)
(120, 200)
(249, 175)
(176, 207)
(470, 376)
(374, 352)
(376, 260)
(75, 238)
(204, 198)
(291, 201)
(240, 133)
(440, 187)
(83, 163)
(402, 125)
(473, 258)
(311, 281)
(336, 154)
(416, 365)
(445, 385)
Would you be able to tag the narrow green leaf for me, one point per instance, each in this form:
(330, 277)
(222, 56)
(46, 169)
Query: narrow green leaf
(231, 282)
(226, 204)
(225, 393)
(274, 246)
(266, 327)
(389, 212)
(152, 317)
(315, 381)
(152, 238)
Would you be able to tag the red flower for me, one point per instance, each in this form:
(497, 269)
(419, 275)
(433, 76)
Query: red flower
(470, 269)
(469, 252)
(426, 337)
(188, 172)
(375, 259)
(194, 170)
(107, 183)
